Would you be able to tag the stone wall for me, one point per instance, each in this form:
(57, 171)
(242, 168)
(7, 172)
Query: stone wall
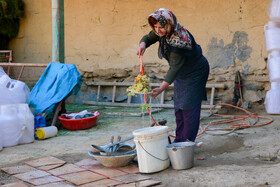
(101, 38)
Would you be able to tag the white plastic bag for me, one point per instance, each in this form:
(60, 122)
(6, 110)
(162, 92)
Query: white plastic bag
(273, 10)
(272, 99)
(273, 65)
(12, 91)
(272, 38)
(1, 147)
(16, 124)
(82, 113)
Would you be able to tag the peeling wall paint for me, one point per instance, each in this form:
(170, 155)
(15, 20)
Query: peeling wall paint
(221, 55)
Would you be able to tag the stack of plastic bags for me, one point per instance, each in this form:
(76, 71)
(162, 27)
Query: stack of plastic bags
(272, 41)
(16, 118)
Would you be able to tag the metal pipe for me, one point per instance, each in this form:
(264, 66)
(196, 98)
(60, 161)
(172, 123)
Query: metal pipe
(58, 31)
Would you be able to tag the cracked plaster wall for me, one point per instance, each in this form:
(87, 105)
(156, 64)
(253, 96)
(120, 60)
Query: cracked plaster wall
(101, 38)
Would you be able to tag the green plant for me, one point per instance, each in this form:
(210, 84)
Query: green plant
(144, 106)
(11, 11)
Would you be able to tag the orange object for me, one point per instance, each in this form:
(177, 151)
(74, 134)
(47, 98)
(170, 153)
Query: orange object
(78, 124)
(141, 65)
(145, 96)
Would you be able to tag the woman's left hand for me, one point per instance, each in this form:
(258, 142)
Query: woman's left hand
(155, 92)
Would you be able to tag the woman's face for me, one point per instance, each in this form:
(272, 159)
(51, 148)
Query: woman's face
(159, 29)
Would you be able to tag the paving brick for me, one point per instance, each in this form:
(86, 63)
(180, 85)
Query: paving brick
(43, 180)
(82, 177)
(93, 167)
(131, 178)
(56, 184)
(102, 183)
(110, 172)
(49, 160)
(15, 184)
(147, 183)
(31, 175)
(88, 162)
(66, 169)
(132, 169)
(49, 167)
(17, 169)
(127, 185)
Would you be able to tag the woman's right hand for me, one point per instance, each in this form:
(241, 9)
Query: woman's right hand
(141, 49)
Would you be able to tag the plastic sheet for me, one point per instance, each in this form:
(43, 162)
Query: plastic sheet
(272, 101)
(1, 147)
(273, 10)
(12, 91)
(272, 36)
(273, 66)
(16, 124)
(58, 82)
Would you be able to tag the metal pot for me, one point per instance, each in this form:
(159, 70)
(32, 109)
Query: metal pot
(181, 155)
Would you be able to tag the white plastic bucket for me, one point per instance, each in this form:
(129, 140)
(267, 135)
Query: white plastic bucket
(272, 36)
(151, 145)
(273, 65)
(272, 100)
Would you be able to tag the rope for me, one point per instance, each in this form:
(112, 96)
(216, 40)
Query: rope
(236, 126)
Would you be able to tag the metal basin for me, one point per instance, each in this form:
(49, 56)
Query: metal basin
(125, 154)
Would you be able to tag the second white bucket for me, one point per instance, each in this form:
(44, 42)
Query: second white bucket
(151, 145)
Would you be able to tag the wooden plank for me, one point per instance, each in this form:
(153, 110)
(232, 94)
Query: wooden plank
(162, 97)
(131, 114)
(20, 73)
(98, 93)
(129, 104)
(114, 94)
(88, 83)
(22, 64)
(129, 99)
(137, 105)
(212, 96)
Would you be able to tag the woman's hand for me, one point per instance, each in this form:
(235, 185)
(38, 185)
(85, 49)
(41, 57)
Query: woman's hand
(141, 49)
(157, 91)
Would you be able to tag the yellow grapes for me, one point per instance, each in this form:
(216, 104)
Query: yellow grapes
(141, 84)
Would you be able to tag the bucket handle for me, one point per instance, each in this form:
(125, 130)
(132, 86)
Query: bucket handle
(151, 154)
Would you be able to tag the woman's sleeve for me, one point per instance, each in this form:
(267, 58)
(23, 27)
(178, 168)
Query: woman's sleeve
(150, 39)
(176, 62)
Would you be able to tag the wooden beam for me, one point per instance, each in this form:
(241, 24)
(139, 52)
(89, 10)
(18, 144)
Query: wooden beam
(88, 83)
(22, 64)
(138, 105)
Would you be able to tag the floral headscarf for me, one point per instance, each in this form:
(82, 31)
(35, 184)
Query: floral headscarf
(176, 34)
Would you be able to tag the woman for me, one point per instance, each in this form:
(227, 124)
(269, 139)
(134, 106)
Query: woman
(188, 69)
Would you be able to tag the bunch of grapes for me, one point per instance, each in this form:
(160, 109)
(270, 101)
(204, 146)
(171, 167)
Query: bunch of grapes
(141, 84)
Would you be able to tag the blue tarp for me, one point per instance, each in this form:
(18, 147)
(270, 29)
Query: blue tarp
(56, 83)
